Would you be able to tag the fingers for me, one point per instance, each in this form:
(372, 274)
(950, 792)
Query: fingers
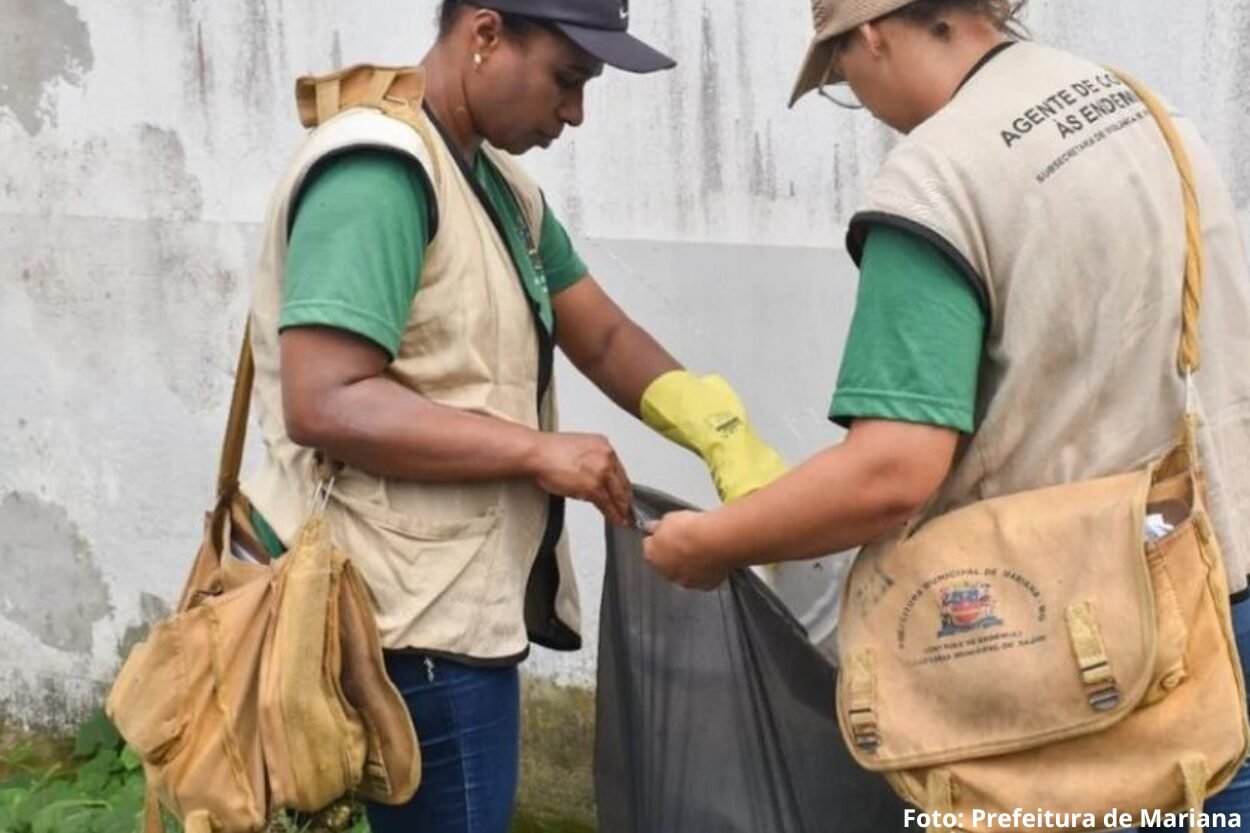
(610, 490)
(620, 491)
(585, 467)
(609, 506)
(671, 549)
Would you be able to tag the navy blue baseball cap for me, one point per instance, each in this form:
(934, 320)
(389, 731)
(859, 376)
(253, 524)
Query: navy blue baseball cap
(598, 26)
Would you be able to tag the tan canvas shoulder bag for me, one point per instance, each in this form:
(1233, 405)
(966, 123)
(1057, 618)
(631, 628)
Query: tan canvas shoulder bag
(266, 689)
(1042, 651)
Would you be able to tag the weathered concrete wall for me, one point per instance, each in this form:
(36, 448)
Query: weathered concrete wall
(140, 141)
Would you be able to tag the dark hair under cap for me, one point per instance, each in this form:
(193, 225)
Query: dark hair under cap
(1004, 13)
(449, 12)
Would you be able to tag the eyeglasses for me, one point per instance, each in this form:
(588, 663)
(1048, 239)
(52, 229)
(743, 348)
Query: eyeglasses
(848, 101)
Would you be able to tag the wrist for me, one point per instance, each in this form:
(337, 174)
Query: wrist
(712, 535)
(666, 407)
(531, 453)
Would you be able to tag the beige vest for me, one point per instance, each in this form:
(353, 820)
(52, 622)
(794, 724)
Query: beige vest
(1048, 182)
(448, 565)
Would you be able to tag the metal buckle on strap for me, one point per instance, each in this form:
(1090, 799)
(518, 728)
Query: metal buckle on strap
(862, 710)
(1104, 699)
(864, 729)
(1101, 689)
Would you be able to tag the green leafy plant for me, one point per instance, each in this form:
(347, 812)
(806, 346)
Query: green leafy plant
(100, 789)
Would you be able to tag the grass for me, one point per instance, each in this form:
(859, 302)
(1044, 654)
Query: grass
(533, 824)
(94, 784)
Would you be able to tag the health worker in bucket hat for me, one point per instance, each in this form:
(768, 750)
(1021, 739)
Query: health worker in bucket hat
(1021, 254)
(907, 386)
(834, 20)
(413, 287)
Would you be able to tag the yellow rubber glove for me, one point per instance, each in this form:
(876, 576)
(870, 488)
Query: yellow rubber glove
(705, 415)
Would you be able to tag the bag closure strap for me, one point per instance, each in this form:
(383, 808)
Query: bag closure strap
(940, 794)
(1194, 774)
(152, 820)
(1101, 689)
(862, 709)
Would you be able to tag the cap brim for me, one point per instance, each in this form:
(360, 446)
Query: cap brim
(617, 48)
(816, 69)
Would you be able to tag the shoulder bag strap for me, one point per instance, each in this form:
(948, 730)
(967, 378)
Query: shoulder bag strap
(1189, 356)
(236, 423)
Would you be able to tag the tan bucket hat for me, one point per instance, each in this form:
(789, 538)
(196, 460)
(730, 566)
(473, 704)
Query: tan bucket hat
(832, 18)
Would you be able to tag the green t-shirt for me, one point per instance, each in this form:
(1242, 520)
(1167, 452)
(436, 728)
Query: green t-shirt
(358, 244)
(914, 350)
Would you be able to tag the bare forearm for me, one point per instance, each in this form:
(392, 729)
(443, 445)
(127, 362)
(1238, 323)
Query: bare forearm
(380, 427)
(881, 476)
(630, 361)
(608, 348)
(835, 501)
(844, 497)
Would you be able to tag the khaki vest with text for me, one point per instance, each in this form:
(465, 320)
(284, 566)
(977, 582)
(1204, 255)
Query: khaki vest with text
(447, 565)
(1048, 180)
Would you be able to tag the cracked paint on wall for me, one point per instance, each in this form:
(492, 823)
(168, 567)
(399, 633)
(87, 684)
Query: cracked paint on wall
(169, 186)
(41, 42)
(52, 587)
(260, 40)
(47, 703)
(1240, 173)
(712, 178)
(152, 609)
(198, 372)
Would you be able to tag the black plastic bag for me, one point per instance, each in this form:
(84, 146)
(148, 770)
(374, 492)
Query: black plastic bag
(714, 713)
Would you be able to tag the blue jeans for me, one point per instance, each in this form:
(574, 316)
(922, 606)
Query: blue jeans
(468, 723)
(1236, 796)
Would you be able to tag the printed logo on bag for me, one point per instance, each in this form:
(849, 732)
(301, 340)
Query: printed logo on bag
(959, 614)
(966, 607)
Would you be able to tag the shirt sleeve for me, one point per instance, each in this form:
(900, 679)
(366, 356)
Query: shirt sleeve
(357, 246)
(564, 267)
(914, 349)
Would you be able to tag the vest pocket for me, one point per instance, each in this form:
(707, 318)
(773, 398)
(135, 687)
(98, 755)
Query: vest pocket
(411, 564)
(442, 555)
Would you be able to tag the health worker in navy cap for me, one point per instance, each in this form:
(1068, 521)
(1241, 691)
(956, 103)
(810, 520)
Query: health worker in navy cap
(414, 285)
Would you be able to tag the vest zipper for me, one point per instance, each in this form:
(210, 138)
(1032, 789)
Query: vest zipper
(556, 634)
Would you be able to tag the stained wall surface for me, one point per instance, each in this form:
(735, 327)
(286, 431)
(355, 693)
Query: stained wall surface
(139, 144)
